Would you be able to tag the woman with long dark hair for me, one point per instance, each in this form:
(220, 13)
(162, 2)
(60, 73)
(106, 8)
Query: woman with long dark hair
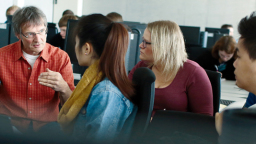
(101, 102)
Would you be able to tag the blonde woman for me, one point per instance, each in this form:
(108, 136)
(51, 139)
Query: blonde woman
(181, 84)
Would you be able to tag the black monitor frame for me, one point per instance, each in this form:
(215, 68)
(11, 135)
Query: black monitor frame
(191, 35)
(214, 34)
(217, 30)
(4, 34)
(69, 45)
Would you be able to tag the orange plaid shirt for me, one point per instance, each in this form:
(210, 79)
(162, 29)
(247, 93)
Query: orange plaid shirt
(21, 95)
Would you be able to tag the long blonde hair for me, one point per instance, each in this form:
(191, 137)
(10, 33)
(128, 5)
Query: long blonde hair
(168, 47)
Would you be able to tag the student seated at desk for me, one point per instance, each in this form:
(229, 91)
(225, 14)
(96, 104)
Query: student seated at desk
(220, 58)
(181, 84)
(59, 39)
(102, 101)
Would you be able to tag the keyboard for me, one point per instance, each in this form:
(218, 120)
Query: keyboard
(226, 102)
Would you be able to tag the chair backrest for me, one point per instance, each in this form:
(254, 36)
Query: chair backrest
(144, 80)
(52, 31)
(215, 79)
(238, 127)
(195, 52)
(180, 128)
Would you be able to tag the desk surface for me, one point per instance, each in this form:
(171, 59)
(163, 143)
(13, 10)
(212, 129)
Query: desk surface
(229, 91)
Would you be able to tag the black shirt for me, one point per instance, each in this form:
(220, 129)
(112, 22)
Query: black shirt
(207, 61)
(57, 41)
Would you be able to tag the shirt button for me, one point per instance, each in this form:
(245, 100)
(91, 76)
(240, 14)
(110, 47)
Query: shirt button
(30, 83)
(30, 98)
(29, 68)
(30, 111)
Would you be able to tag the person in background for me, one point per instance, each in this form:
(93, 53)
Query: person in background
(103, 99)
(230, 27)
(220, 58)
(10, 11)
(115, 17)
(181, 84)
(245, 64)
(67, 12)
(32, 102)
(59, 39)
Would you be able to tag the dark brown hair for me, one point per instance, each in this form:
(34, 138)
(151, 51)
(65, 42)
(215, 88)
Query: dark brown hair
(64, 20)
(110, 43)
(225, 43)
(226, 26)
(70, 12)
(115, 17)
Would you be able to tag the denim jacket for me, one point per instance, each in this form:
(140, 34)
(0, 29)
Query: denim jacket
(103, 116)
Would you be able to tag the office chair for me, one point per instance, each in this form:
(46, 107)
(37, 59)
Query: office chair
(144, 80)
(238, 127)
(52, 31)
(175, 127)
(195, 52)
(215, 79)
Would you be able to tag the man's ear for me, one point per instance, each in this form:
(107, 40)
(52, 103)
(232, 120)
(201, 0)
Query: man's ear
(87, 49)
(18, 36)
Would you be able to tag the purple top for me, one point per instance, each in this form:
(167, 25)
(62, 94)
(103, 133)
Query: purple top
(190, 90)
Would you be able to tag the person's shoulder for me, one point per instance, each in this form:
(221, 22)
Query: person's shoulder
(52, 50)
(192, 67)
(142, 64)
(9, 51)
(189, 64)
(106, 86)
(107, 90)
(8, 48)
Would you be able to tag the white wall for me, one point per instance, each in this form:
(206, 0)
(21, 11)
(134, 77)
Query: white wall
(203, 13)
(4, 6)
(45, 5)
(62, 5)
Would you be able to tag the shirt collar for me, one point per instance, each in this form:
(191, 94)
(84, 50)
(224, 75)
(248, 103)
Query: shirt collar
(18, 52)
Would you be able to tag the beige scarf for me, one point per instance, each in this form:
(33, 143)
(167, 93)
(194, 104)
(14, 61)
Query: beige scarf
(78, 98)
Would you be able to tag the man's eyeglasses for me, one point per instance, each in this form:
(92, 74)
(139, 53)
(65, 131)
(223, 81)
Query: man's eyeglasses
(33, 34)
(145, 43)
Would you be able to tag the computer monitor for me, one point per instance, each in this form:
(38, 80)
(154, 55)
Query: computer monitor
(136, 39)
(13, 37)
(214, 34)
(191, 35)
(69, 45)
(9, 19)
(217, 30)
(4, 34)
(52, 31)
